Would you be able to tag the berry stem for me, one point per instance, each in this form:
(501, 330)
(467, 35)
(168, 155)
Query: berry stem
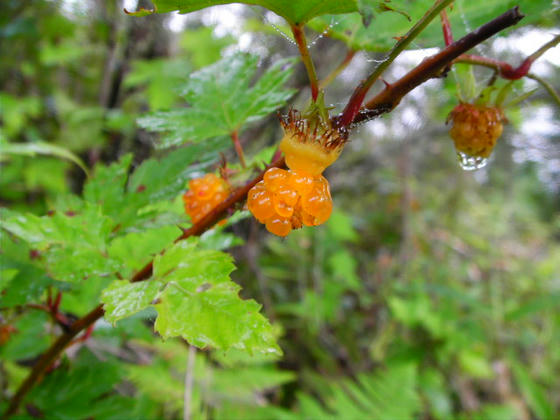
(238, 148)
(355, 101)
(299, 37)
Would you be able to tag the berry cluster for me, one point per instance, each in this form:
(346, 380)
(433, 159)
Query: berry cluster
(203, 195)
(475, 129)
(287, 200)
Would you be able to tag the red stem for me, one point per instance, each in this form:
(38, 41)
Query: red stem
(446, 27)
(299, 37)
(238, 148)
(505, 70)
(56, 303)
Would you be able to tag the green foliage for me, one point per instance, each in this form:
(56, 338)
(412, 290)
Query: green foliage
(430, 293)
(227, 383)
(221, 100)
(161, 76)
(195, 299)
(295, 12)
(82, 390)
(388, 394)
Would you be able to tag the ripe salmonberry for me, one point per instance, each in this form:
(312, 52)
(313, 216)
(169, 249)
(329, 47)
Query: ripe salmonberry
(203, 195)
(475, 129)
(288, 199)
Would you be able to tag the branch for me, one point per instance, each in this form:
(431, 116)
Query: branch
(547, 86)
(54, 351)
(432, 66)
(355, 101)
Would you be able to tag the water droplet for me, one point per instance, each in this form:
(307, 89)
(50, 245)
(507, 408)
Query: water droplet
(471, 163)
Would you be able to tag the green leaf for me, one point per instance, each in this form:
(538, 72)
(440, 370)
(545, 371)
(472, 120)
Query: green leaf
(106, 188)
(222, 100)
(39, 148)
(163, 179)
(72, 246)
(294, 11)
(122, 299)
(29, 339)
(196, 300)
(136, 249)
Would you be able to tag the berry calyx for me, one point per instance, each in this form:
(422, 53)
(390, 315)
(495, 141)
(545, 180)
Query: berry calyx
(286, 200)
(475, 129)
(203, 195)
(310, 144)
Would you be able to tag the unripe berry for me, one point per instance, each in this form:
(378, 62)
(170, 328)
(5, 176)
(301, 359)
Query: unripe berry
(475, 129)
(203, 195)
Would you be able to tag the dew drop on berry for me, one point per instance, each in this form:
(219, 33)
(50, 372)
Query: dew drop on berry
(471, 163)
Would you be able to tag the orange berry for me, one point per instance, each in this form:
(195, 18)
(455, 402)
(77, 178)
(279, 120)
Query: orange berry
(259, 201)
(318, 202)
(287, 200)
(475, 129)
(203, 195)
(302, 182)
(279, 226)
(274, 178)
(282, 208)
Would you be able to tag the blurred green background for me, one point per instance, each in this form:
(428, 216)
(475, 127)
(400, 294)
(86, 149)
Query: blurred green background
(431, 293)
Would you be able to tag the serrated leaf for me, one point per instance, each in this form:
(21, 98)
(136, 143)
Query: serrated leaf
(163, 179)
(107, 186)
(196, 300)
(222, 100)
(136, 249)
(122, 299)
(72, 247)
(294, 11)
